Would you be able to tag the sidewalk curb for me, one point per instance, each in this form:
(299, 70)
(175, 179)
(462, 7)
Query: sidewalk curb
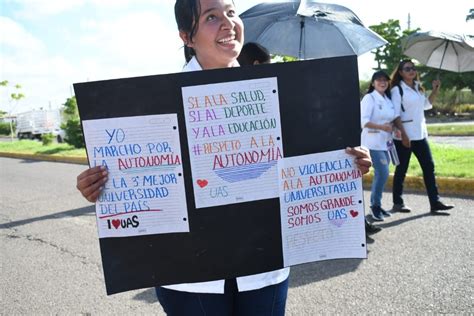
(76, 160)
(446, 185)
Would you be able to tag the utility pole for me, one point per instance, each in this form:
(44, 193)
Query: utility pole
(409, 21)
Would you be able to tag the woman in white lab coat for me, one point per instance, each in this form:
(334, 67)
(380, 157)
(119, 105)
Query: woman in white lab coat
(410, 103)
(377, 116)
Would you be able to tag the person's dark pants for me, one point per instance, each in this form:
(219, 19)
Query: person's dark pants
(270, 300)
(422, 152)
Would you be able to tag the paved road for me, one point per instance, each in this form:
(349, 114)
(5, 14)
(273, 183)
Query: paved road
(466, 122)
(6, 138)
(50, 262)
(466, 142)
(463, 142)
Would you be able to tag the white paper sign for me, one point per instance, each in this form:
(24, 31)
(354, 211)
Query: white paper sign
(234, 137)
(322, 211)
(144, 194)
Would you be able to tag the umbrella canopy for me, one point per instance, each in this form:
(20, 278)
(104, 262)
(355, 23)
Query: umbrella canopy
(440, 50)
(307, 29)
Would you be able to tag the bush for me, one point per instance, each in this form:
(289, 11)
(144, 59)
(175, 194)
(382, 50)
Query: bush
(363, 87)
(74, 135)
(5, 128)
(453, 101)
(47, 139)
(464, 108)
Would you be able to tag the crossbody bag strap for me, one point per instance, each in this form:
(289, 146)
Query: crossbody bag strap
(401, 97)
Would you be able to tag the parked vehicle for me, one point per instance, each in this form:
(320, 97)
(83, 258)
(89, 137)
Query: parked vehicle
(33, 124)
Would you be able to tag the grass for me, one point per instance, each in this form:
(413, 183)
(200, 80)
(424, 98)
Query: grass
(35, 147)
(451, 130)
(450, 161)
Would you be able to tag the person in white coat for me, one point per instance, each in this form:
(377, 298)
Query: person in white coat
(377, 117)
(410, 103)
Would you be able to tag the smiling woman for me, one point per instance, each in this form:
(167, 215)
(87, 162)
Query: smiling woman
(216, 40)
(378, 116)
(410, 101)
(212, 34)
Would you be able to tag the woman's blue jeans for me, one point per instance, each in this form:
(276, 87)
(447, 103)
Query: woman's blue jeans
(381, 162)
(270, 300)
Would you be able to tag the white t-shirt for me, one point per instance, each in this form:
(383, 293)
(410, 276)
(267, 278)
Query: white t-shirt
(377, 109)
(415, 103)
(245, 283)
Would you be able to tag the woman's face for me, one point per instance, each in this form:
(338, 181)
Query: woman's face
(408, 72)
(219, 37)
(380, 85)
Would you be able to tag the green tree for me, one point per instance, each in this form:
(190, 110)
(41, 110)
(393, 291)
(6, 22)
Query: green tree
(5, 128)
(450, 80)
(72, 127)
(70, 108)
(15, 97)
(363, 87)
(388, 56)
(275, 58)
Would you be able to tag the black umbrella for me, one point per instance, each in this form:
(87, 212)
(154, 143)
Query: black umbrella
(307, 29)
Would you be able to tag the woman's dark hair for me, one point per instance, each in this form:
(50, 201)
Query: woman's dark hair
(397, 78)
(377, 75)
(252, 52)
(187, 14)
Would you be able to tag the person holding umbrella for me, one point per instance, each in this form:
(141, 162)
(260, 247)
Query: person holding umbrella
(410, 103)
(213, 34)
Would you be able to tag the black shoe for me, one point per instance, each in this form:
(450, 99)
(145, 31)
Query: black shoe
(376, 214)
(371, 229)
(402, 208)
(385, 213)
(440, 206)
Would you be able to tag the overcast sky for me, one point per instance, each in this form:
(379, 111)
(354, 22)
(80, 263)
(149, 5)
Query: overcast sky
(46, 45)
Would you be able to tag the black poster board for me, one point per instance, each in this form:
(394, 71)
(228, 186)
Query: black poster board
(319, 109)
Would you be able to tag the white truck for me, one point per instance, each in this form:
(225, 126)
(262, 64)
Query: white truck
(33, 124)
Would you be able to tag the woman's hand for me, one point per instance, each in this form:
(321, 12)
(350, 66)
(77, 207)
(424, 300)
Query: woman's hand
(362, 158)
(387, 127)
(401, 133)
(91, 182)
(436, 84)
(405, 140)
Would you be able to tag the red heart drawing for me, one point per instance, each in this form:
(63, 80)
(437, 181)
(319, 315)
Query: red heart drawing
(354, 213)
(116, 223)
(202, 183)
